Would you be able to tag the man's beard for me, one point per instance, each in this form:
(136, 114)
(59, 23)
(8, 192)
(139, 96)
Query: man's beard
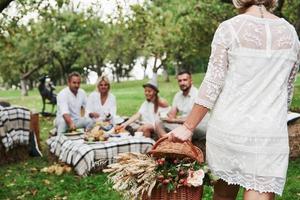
(185, 88)
(74, 90)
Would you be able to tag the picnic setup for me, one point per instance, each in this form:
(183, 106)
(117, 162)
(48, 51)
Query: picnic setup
(89, 151)
(150, 100)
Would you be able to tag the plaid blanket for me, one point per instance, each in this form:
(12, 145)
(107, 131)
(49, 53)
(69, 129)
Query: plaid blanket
(85, 156)
(14, 126)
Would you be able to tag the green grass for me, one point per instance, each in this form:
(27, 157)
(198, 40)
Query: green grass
(24, 180)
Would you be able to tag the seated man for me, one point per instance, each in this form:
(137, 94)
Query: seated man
(70, 101)
(182, 105)
(149, 110)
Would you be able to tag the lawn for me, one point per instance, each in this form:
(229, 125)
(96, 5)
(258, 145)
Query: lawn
(25, 181)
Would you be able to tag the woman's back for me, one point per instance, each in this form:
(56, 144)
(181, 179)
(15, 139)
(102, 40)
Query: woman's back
(248, 84)
(248, 87)
(261, 55)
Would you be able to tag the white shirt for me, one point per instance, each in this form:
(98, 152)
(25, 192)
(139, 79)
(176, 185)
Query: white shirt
(184, 104)
(147, 112)
(68, 103)
(94, 105)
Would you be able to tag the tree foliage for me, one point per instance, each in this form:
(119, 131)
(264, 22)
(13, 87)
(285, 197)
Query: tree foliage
(61, 39)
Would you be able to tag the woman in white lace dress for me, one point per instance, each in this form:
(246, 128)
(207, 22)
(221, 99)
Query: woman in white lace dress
(248, 88)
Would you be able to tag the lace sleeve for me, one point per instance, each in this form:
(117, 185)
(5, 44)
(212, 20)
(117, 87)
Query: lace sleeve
(291, 80)
(217, 68)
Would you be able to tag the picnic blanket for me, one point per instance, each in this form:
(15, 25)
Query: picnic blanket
(14, 126)
(83, 156)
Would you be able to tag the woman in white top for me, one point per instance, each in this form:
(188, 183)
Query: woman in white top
(248, 88)
(149, 110)
(101, 104)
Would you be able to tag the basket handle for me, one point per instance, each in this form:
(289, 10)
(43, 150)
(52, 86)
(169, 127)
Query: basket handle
(187, 141)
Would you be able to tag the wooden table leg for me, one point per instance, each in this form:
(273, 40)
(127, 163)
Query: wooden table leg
(35, 127)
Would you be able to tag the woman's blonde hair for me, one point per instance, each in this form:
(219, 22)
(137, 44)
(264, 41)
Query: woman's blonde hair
(243, 5)
(102, 78)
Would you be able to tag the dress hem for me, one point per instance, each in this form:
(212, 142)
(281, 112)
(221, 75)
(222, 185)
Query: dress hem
(233, 182)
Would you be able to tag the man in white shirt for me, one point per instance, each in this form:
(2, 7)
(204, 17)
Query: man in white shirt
(182, 105)
(70, 101)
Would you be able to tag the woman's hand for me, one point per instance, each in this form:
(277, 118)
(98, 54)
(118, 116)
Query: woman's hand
(120, 127)
(180, 134)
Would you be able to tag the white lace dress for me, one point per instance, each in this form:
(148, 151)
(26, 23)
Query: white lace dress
(248, 87)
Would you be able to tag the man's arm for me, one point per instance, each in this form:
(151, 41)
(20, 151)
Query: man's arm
(172, 117)
(69, 121)
(179, 120)
(172, 113)
(62, 105)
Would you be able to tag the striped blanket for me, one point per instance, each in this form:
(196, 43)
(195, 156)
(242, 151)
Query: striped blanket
(14, 126)
(84, 156)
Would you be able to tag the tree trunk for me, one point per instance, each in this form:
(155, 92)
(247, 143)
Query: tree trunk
(145, 66)
(177, 67)
(24, 91)
(62, 81)
(7, 86)
(30, 84)
(117, 75)
(166, 75)
(154, 66)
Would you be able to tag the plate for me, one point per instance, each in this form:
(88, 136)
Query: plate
(121, 134)
(118, 120)
(73, 133)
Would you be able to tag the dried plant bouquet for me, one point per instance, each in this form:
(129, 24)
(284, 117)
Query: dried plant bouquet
(135, 174)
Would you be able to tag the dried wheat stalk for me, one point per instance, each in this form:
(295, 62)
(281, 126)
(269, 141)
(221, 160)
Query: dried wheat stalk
(132, 175)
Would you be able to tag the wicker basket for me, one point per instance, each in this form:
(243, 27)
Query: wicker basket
(166, 148)
(182, 193)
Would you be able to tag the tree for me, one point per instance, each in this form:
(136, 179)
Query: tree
(54, 39)
(95, 50)
(25, 53)
(179, 33)
(122, 46)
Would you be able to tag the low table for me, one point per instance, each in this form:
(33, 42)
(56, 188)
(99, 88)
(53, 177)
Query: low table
(85, 156)
(16, 126)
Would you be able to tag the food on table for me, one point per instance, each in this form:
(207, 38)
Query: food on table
(96, 134)
(118, 129)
